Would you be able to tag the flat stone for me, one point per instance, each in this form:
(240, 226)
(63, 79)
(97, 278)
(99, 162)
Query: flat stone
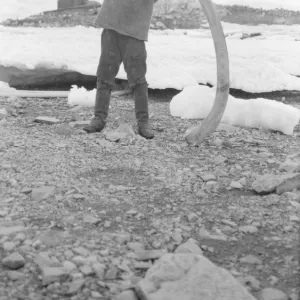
(51, 275)
(79, 124)
(14, 261)
(289, 185)
(46, 120)
(189, 277)
(272, 294)
(251, 259)
(268, 183)
(115, 136)
(42, 193)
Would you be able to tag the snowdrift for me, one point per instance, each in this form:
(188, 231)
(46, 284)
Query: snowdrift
(195, 102)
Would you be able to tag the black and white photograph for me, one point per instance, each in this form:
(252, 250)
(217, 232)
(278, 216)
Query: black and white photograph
(150, 150)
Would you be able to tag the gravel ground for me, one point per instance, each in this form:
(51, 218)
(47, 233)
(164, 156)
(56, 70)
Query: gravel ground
(85, 203)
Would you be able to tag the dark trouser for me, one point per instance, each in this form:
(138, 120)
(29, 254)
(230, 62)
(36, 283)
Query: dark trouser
(115, 49)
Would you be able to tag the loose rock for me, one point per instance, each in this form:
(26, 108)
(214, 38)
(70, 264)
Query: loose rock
(189, 277)
(14, 261)
(51, 275)
(268, 183)
(42, 193)
(272, 294)
(46, 120)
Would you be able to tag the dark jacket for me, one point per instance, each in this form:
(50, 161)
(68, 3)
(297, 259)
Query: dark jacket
(127, 17)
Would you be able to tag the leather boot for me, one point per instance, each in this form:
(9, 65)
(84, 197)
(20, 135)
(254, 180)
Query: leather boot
(100, 111)
(141, 110)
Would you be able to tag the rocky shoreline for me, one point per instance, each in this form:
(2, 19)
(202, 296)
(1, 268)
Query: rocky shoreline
(184, 16)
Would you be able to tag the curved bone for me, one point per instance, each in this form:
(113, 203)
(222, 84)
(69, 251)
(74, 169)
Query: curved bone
(196, 135)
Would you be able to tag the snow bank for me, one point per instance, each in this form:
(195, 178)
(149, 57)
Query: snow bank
(195, 102)
(176, 59)
(82, 97)
(5, 87)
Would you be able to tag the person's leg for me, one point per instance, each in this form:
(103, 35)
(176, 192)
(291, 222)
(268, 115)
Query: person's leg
(108, 68)
(134, 57)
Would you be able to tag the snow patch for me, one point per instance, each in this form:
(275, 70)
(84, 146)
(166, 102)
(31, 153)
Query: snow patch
(176, 59)
(195, 102)
(5, 87)
(82, 97)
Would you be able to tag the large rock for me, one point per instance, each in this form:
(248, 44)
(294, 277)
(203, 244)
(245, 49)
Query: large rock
(14, 261)
(289, 185)
(268, 183)
(189, 277)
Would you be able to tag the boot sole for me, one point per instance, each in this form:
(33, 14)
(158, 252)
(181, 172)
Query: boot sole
(147, 137)
(92, 130)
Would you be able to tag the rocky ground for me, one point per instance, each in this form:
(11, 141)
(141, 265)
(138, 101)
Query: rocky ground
(179, 15)
(85, 216)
